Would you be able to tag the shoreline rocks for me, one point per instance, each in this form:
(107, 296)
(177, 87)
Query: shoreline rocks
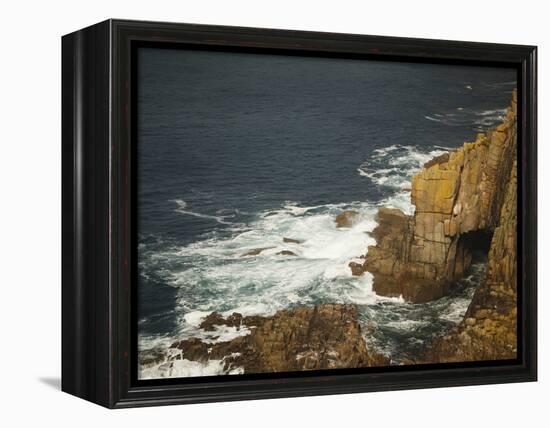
(304, 338)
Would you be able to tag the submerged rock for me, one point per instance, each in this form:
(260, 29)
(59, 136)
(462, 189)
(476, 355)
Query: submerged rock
(347, 218)
(292, 241)
(286, 253)
(304, 338)
(456, 196)
(255, 251)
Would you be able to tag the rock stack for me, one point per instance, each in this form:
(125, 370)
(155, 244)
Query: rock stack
(458, 199)
(489, 329)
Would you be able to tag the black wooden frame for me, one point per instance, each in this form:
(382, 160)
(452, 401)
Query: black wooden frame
(98, 351)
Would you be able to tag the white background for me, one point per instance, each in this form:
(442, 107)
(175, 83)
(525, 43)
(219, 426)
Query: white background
(30, 175)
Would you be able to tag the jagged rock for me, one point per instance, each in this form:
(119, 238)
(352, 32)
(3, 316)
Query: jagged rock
(151, 357)
(455, 195)
(347, 218)
(209, 323)
(192, 349)
(234, 320)
(292, 241)
(437, 160)
(286, 253)
(357, 269)
(305, 338)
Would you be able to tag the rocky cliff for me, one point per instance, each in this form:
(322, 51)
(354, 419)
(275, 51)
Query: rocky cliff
(489, 329)
(305, 338)
(459, 201)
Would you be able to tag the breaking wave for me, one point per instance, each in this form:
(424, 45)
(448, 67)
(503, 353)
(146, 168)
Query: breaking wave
(393, 167)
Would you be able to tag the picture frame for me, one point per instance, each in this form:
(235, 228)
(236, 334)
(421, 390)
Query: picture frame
(99, 250)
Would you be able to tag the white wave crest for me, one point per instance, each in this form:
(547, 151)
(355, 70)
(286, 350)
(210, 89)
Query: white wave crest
(185, 368)
(181, 208)
(394, 166)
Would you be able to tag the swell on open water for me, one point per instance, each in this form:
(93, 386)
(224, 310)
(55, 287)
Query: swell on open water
(238, 151)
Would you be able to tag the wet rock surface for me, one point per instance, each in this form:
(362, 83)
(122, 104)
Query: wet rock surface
(255, 251)
(305, 338)
(286, 253)
(292, 241)
(347, 218)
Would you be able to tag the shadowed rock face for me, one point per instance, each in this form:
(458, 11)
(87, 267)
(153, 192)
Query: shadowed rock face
(305, 338)
(421, 256)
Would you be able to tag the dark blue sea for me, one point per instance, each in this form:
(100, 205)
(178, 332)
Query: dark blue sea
(237, 151)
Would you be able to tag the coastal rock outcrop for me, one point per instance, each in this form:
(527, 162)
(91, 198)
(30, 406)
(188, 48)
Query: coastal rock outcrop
(458, 199)
(304, 338)
(489, 328)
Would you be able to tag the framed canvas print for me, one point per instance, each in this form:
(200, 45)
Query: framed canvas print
(252, 213)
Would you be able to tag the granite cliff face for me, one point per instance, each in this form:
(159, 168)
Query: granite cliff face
(305, 338)
(489, 329)
(459, 203)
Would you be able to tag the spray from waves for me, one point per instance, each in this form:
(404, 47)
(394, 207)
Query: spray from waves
(213, 273)
(172, 367)
(393, 167)
(181, 208)
(270, 281)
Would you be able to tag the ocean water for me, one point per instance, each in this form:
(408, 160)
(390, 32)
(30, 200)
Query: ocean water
(238, 151)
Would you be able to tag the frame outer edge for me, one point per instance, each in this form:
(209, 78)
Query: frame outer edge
(532, 203)
(107, 368)
(70, 381)
(86, 331)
